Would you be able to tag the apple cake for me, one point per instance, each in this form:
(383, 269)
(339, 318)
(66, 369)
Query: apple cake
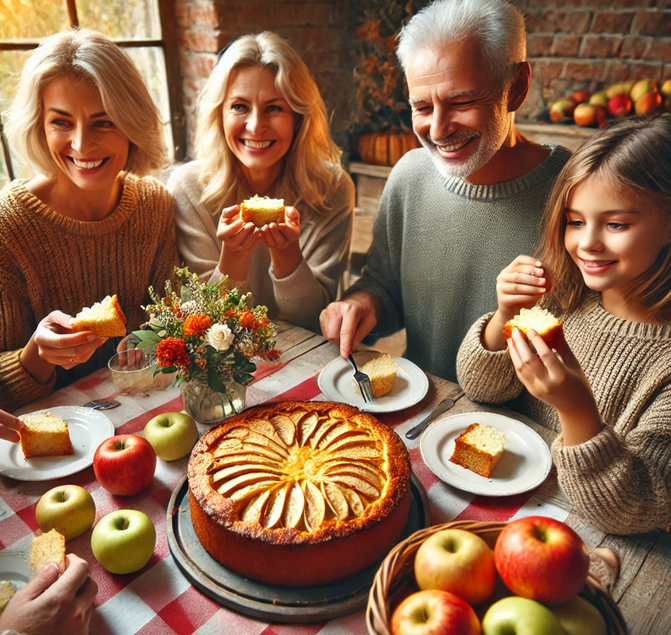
(262, 210)
(299, 493)
(44, 434)
(541, 321)
(479, 449)
(104, 318)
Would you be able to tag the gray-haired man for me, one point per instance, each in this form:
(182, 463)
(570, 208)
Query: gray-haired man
(457, 211)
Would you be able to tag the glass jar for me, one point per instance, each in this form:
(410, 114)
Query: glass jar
(208, 406)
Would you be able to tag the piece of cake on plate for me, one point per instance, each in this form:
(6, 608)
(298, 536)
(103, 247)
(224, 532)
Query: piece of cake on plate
(43, 434)
(479, 449)
(382, 372)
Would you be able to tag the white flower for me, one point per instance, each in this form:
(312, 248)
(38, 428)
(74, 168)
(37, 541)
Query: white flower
(219, 336)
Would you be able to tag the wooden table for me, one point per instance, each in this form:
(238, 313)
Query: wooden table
(159, 599)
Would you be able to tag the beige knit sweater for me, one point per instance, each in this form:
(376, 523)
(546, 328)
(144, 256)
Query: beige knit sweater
(620, 479)
(49, 262)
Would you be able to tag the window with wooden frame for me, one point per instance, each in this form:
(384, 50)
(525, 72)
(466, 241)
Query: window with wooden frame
(145, 29)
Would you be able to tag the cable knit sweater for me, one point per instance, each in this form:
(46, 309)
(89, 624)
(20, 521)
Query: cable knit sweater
(49, 262)
(438, 245)
(620, 479)
(325, 241)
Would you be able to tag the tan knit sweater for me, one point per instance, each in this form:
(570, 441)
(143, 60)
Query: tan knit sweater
(620, 479)
(49, 262)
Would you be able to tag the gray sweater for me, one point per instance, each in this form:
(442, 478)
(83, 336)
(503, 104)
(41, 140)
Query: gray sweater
(438, 245)
(325, 241)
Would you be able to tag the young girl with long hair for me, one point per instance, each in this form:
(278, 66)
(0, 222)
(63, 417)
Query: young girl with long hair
(604, 268)
(262, 129)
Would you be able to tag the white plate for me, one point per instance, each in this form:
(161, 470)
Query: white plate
(524, 464)
(88, 429)
(14, 567)
(337, 383)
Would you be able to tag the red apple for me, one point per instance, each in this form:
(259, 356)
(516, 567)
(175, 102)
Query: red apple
(580, 96)
(457, 561)
(124, 465)
(619, 106)
(562, 110)
(541, 559)
(648, 103)
(434, 613)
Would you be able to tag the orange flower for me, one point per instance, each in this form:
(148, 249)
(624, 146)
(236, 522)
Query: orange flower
(248, 321)
(230, 314)
(196, 324)
(172, 352)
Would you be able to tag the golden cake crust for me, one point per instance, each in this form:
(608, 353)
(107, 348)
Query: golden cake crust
(353, 474)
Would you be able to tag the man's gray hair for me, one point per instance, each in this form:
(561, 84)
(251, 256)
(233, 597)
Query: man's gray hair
(498, 25)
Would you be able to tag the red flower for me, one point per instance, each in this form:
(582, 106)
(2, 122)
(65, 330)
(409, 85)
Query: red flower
(196, 324)
(273, 354)
(230, 314)
(172, 352)
(249, 322)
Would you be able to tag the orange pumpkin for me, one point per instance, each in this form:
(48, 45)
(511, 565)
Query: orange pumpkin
(386, 148)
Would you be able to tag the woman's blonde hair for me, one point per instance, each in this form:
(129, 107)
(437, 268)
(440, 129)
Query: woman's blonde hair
(96, 58)
(312, 164)
(631, 155)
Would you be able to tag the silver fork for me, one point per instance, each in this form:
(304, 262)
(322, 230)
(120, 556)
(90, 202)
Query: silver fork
(363, 381)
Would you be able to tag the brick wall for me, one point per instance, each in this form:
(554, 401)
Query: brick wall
(317, 29)
(589, 44)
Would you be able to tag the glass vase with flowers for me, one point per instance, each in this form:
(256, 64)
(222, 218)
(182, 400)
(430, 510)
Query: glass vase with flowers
(209, 335)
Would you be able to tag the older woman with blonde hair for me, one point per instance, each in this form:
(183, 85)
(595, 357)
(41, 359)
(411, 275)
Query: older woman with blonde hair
(89, 223)
(262, 129)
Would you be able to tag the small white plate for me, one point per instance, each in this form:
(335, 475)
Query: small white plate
(337, 383)
(88, 429)
(525, 463)
(14, 567)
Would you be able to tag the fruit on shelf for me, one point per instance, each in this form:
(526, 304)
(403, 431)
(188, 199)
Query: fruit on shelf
(457, 561)
(648, 103)
(69, 509)
(435, 612)
(123, 541)
(623, 88)
(562, 110)
(590, 115)
(580, 96)
(579, 617)
(520, 616)
(172, 435)
(124, 464)
(541, 559)
(619, 105)
(642, 87)
(599, 99)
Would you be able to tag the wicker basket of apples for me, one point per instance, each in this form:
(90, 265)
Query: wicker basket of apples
(457, 579)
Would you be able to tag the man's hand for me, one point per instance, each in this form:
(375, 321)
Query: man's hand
(347, 322)
(53, 605)
(9, 427)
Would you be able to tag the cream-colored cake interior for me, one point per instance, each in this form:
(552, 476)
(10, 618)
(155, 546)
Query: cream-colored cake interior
(536, 318)
(486, 438)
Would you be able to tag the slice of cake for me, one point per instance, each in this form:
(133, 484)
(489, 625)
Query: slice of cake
(479, 448)
(44, 434)
(382, 372)
(49, 547)
(541, 321)
(7, 592)
(262, 210)
(104, 318)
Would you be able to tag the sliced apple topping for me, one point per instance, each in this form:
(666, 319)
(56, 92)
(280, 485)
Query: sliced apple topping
(299, 469)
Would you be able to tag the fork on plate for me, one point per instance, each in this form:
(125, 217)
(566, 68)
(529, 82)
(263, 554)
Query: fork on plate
(363, 381)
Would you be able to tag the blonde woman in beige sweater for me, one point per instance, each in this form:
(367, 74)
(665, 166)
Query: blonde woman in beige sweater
(88, 224)
(604, 268)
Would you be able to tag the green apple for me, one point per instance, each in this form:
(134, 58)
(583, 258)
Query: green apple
(171, 434)
(579, 617)
(69, 509)
(520, 616)
(123, 541)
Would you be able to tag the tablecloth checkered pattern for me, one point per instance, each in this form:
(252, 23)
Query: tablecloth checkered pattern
(159, 600)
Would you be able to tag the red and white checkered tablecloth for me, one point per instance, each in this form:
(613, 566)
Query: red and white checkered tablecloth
(159, 599)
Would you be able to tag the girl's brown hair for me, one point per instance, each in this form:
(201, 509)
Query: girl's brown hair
(633, 154)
